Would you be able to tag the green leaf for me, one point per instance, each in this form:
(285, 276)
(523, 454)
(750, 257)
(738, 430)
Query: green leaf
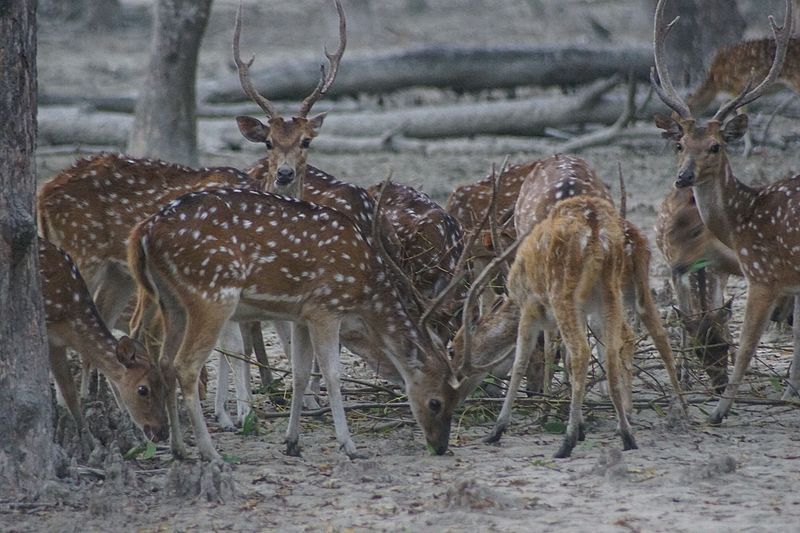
(659, 410)
(776, 383)
(250, 425)
(149, 450)
(431, 449)
(134, 452)
(699, 264)
(233, 459)
(555, 426)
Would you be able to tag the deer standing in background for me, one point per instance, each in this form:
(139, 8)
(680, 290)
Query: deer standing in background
(74, 321)
(759, 225)
(238, 255)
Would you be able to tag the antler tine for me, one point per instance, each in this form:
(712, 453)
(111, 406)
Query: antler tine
(460, 269)
(663, 85)
(623, 200)
(782, 35)
(244, 70)
(334, 59)
(421, 300)
(477, 286)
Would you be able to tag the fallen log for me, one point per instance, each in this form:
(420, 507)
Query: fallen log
(456, 67)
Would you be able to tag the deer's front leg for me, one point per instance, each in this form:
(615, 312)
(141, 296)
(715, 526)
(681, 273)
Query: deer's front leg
(302, 358)
(793, 387)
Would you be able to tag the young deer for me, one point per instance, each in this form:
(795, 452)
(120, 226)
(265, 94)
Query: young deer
(700, 265)
(759, 225)
(238, 255)
(567, 270)
(73, 321)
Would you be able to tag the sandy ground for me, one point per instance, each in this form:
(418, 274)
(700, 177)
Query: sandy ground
(735, 477)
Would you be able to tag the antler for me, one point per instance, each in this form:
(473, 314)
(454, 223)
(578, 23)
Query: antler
(326, 81)
(782, 35)
(244, 70)
(663, 85)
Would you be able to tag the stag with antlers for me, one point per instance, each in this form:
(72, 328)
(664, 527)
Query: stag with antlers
(759, 225)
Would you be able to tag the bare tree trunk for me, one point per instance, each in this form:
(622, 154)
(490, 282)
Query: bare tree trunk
(26, 433)
(705, 26)
(165, 124)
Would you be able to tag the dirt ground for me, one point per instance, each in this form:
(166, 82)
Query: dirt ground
(735, 477)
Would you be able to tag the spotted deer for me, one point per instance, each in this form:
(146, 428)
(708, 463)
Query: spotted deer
(74, 322)
(244, 255)
(89, 209)
(569, 270)
(758, 224)
(732, 67)
(700, 266)
(554, 180)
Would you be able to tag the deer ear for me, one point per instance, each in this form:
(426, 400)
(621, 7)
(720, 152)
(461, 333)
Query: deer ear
(316, 121)
(672, 128)
(735, 128)
(252, 129)
(130, 351)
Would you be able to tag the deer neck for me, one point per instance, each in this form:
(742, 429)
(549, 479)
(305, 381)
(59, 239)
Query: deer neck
(722, 202)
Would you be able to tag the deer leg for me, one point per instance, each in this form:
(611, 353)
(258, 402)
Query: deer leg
(599, 334)
(527, 336)
(233, 342)
(65, 385)
(302, 357)
(626, 361)
(793, 387)
(760, 301)
(284, 331)
(174, 329)
(221, 398)
(111, 292)
(573, 331)
(257, 342)
(617, 382)
(325, 340)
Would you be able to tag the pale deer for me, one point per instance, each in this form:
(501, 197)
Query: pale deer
(568, 270)
(244, 255)
(553, 180)
(699, 269)
(89, 209)
(73, 321)
(759, 225)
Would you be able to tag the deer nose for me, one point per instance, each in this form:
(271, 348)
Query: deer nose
(285, 175)
(685, 178)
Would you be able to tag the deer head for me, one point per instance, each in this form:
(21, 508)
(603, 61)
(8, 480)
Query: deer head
(286, 139)
(701, 149)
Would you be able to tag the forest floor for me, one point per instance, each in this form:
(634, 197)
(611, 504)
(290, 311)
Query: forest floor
(735, 477)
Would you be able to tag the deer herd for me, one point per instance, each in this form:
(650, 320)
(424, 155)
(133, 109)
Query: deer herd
(431, 298)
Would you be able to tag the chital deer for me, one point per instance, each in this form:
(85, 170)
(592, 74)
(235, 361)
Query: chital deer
(700, 265)
(556, 179)
(759, 225)
(73, 321)
(89, 209)
(569, 269)
(243, 255)
(732, 67)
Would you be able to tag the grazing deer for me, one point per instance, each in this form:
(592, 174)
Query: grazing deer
(556, 179)
(240, 255)
(732, 67)
(89, 209)
(759, 225)
(700, 265)
(429, 244)
(567, 270)
(73, 321)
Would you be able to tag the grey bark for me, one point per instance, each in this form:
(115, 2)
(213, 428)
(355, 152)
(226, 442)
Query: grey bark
(460, 68)
(705, 26)
(26, 458)
(165, 124)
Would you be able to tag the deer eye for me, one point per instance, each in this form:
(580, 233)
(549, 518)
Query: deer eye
(714, 149)
(678, 147)
(268, 143)
(142, 390)
(434, 405)
(305, 143)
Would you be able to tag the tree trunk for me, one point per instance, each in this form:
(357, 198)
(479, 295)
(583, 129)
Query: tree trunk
(165, 124)
(26, 433)
(456, 67)
(705, 26)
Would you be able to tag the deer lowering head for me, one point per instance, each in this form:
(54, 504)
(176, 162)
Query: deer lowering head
(759, 225)
(286, 140)
(73, 321)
